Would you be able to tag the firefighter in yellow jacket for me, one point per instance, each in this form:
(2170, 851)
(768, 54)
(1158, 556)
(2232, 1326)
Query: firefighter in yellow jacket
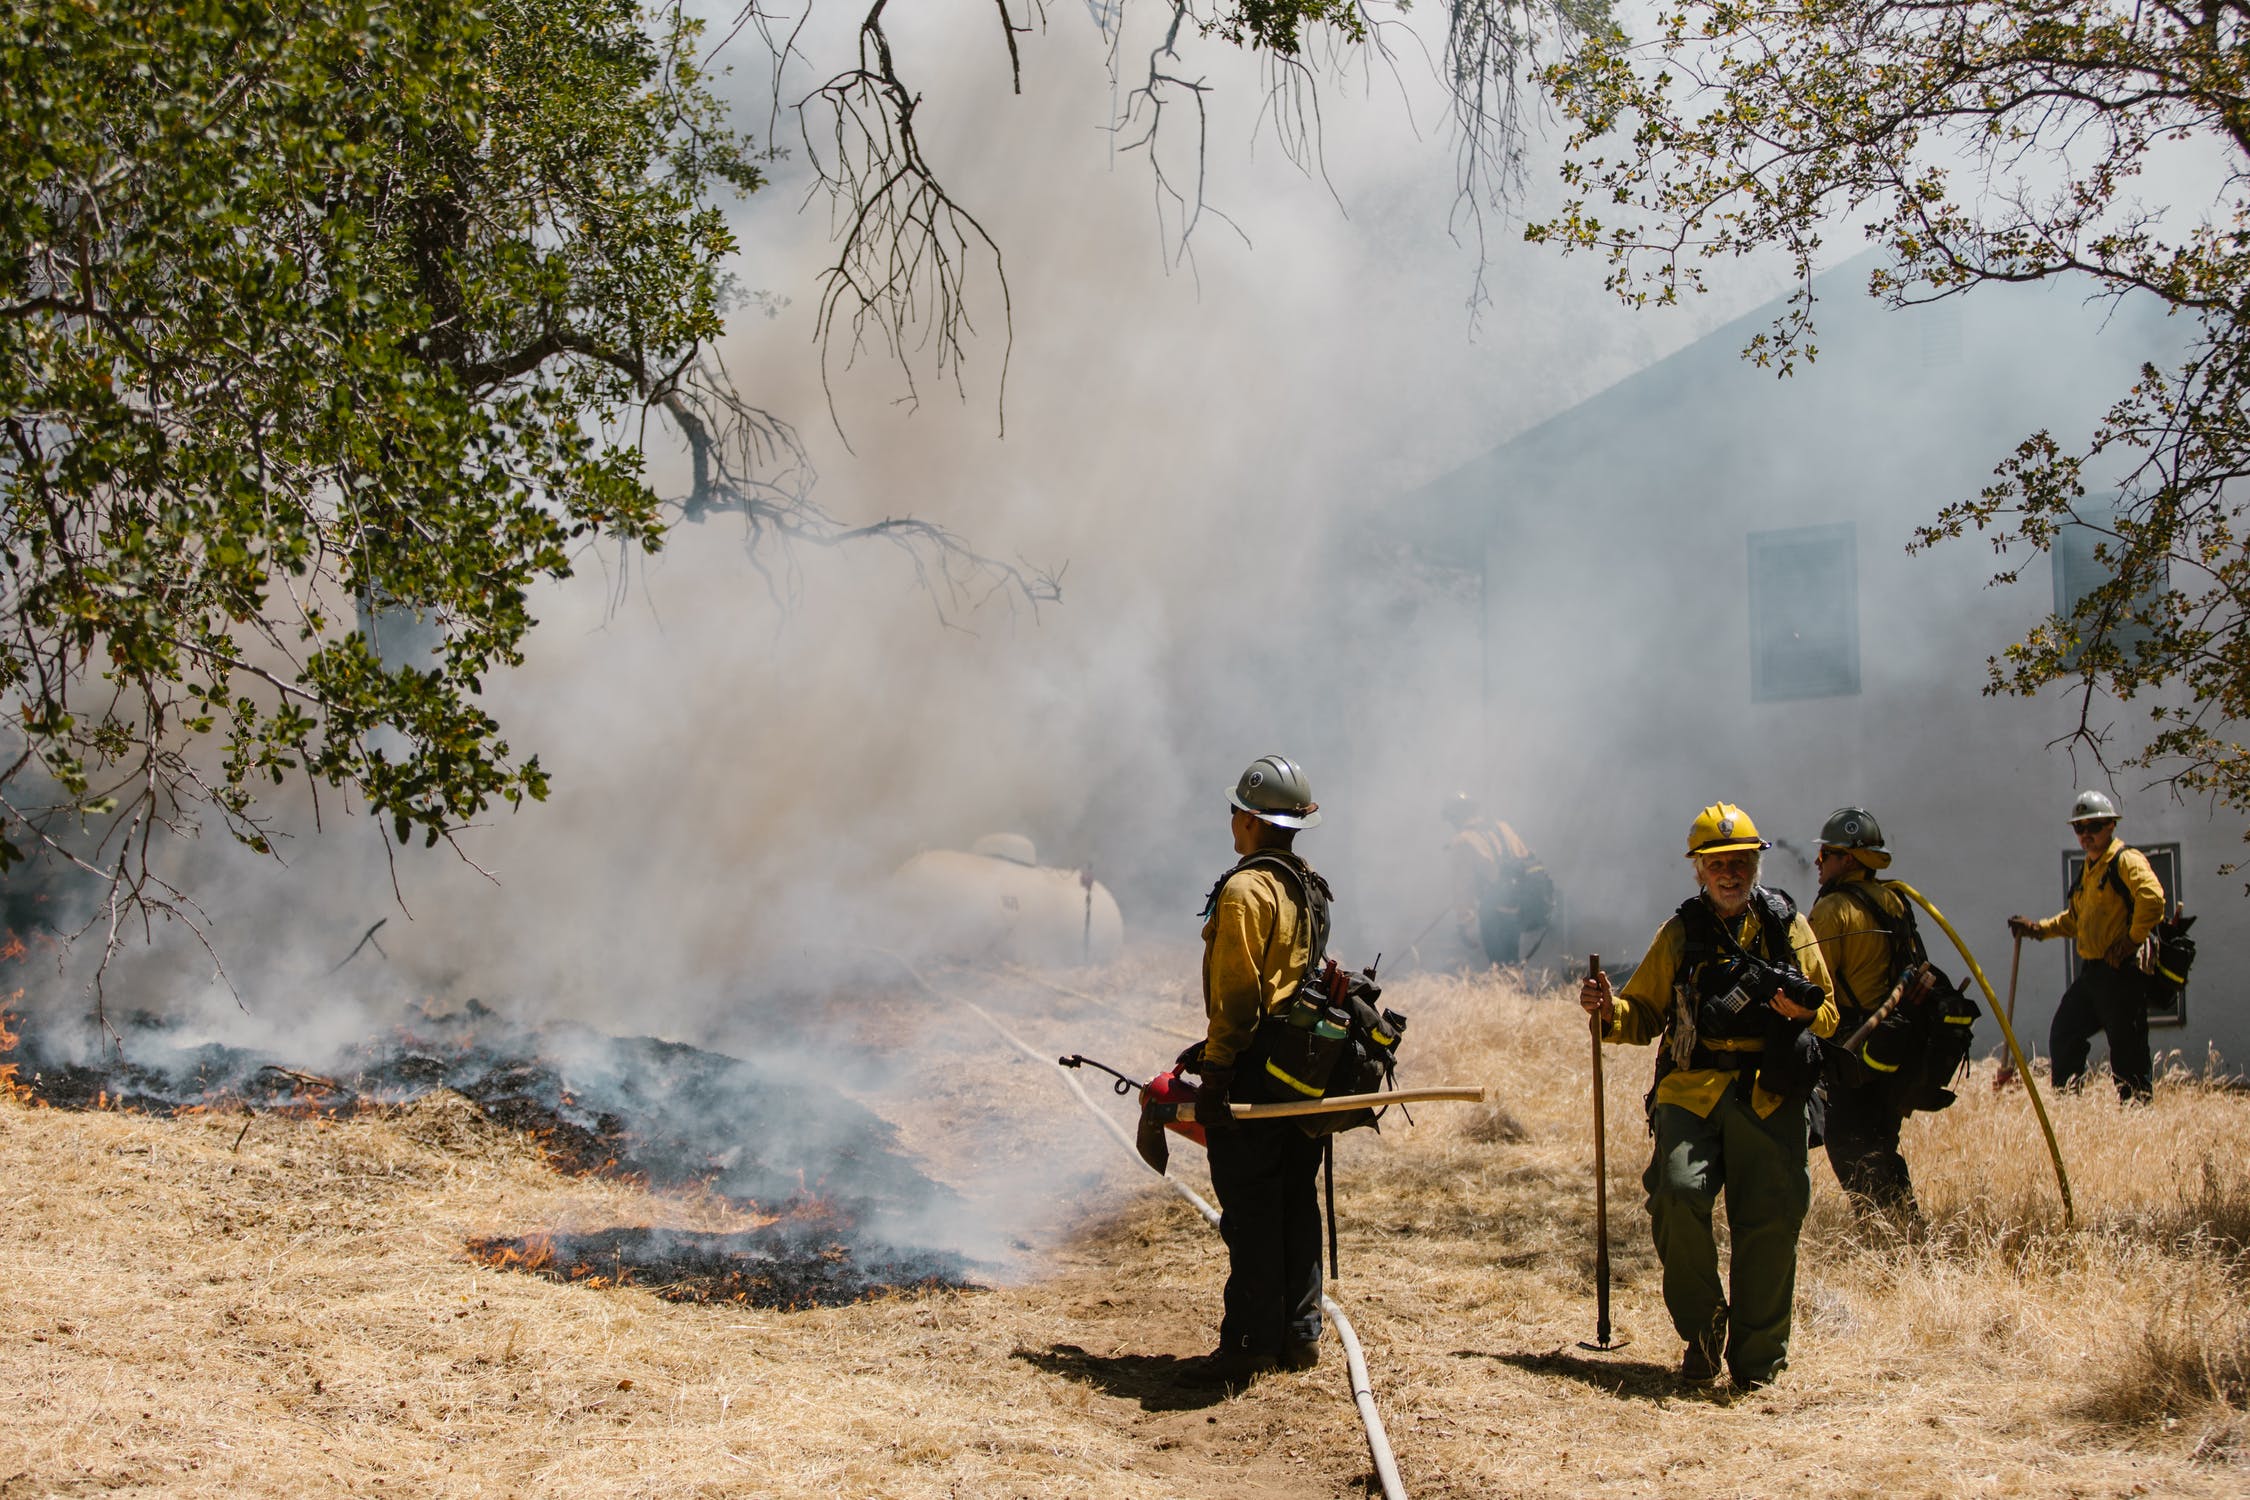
(1500, 889)
(2116, 905)
(1867, 934)
(1735, 993)
(1265, 923)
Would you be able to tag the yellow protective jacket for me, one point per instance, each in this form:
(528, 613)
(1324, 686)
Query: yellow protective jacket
(2097, 916)
(1255, 949)
(1646, 1001)
(1853, 943)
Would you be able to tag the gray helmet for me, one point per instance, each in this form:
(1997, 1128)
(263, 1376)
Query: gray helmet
(1275, 790)
(1459, 810)
(2093, 807)
(1855, 829)
(1851, 828)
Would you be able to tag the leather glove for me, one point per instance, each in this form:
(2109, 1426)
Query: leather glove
(2022, 927)
(1150, 1140)
(1211, 1099)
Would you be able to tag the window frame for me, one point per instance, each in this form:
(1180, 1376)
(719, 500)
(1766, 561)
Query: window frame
(1761, 545)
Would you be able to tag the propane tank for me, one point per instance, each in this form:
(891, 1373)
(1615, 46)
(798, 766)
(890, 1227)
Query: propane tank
(997, 904)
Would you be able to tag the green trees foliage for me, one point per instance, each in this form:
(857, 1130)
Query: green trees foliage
(325, 310)
(1978, 143)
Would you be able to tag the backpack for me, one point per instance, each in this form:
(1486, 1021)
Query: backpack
(2171, 952)
(1531, 891)
(1939, 1024)
(1331, 1039)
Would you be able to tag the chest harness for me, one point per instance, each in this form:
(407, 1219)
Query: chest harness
(1313, 897)
(1718, 1016)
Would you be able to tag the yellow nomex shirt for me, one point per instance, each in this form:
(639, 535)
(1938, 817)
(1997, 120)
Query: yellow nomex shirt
(1255, 949)
(2097, 916)
(1646, 1000)
(1853, 942)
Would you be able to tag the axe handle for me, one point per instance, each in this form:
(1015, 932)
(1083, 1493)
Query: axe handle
(1858, 1039)
(1464, 1093)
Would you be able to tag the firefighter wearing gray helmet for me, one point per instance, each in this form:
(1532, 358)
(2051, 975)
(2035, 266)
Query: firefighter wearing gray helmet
(2114, 907)
(1264, 927)
(1867, 935)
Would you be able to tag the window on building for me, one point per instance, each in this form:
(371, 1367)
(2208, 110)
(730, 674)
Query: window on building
(2164, 859)
(2078, 572)
(1804, 613)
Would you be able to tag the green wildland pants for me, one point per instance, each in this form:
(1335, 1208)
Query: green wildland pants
(1761, 1165)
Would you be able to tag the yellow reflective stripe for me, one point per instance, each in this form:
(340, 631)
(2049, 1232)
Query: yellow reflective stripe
(2168, 974)
(1878, 1067)
(1959, 1020)
(1381, 1039)
(1303, 1088)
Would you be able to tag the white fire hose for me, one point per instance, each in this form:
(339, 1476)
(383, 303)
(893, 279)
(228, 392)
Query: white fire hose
(1355, 1361)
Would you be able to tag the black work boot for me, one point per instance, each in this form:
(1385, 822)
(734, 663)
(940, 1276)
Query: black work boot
(1224, 1368)
(1697, 1367)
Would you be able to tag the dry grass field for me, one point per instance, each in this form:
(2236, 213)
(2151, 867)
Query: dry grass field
(295, 1314)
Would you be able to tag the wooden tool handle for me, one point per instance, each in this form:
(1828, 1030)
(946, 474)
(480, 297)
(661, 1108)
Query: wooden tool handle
(1601, 1176)
(1459, 1093)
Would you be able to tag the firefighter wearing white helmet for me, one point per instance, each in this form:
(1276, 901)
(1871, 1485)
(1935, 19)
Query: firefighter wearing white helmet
(2115, 906)
(1867, 935)
(1735, 991)
(1264, 924)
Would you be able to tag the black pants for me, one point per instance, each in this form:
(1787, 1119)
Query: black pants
(1862, 1138)
(2109, 1000)
(1500, 932)
(1265, 1173)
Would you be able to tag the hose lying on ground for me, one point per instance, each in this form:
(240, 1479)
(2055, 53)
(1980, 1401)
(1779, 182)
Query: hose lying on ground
(1355, 1361)
(2023, 1069)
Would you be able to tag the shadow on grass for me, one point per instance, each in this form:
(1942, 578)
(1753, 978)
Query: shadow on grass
(1633, 1379)
(1153, 1380)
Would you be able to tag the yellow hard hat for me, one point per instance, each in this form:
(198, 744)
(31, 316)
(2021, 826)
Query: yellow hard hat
(1723, 828)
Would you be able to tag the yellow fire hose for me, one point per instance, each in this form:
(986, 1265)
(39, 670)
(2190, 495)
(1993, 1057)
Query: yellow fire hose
(2023, 1068)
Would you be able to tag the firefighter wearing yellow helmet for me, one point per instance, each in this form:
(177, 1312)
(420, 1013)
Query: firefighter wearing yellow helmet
(1734, 991)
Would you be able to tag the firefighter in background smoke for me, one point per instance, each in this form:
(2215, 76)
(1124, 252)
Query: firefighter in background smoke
(1735, 990)
(2116, 905)
(1264, 925)
(1500, 890)
(1867, 936)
